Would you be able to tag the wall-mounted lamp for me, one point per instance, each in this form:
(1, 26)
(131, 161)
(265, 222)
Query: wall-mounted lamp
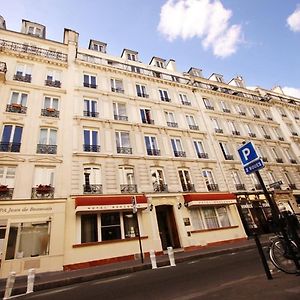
(179, 205)
(150, 207)
(186, 204)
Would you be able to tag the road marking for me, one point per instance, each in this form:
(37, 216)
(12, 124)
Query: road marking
(49, 292)
(109, 280)
(193, 262)
(163, 267)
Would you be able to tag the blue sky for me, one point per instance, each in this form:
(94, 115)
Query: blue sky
(258, 39)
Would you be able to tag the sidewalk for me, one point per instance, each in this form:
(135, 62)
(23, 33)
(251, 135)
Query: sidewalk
(50, 280)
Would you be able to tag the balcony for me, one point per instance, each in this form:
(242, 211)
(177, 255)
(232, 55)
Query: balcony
(120, 118)
(10, 147)
(270, 118)
(172, 124)
(218, 130)
(6, 193)
(226, 110)
(251, 134)
(24, 78)
(3, 70)
(267, 137)
(124, 150)
(160, 187)
(292, 186)
(256, 116)
(242, 113)
(117, 90)
(284, 115)
(33, 50)
(166, 99)
(92, 114)
(280, 138)
(148, 121)
(153, 152)
(90, 85)
(209, 107)
(235, 132)
(50, 112)
(264, 159)
(194, 127)
(16, 108)
(46, 149)
(188, 187)
(128, 188)
(92, 189)
(294, 133)
(293, 161)
(240, 187)
(53, 83)
(143, 95)
(202, 155)
(187, 103)
(42, 191)
(228, 157)
(297, 118)
(179, 154)
(258, 187)
(212, 187)
(279, 160)
(91, 148)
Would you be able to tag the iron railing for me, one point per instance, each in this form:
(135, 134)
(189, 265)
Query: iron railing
(6, 193)
(42, 191)
(128, 188)
(16, 108)
(46, 149)
(49, 112)
(10, 147)
(160, 187)
(92, 189)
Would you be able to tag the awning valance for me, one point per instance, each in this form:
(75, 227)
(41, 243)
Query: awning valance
(200, 199)
(115, 202)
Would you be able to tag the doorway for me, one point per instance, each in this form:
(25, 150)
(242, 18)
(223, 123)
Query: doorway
(167, 226)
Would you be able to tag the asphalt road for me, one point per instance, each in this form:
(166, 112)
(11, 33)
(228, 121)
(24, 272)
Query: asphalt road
(220, 277)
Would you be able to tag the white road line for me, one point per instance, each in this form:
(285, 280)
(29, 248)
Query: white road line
(193, 262)
(109, 280)
(49, 292)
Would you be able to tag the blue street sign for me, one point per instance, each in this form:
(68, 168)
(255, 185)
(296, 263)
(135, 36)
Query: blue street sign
(247, 154)
(254, 166)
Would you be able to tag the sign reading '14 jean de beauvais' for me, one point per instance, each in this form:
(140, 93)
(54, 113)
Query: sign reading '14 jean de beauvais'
(249, 158)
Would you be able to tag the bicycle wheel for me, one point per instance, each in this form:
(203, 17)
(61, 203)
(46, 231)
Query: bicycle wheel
(280, 256)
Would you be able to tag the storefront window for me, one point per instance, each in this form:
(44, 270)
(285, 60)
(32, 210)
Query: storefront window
(130, 225)
(28, 240)
(89, 226)
(110, 226)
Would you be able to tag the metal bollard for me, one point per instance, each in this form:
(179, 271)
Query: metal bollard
(9, 285)
(153, 259)
(30, 280)
(171, 256)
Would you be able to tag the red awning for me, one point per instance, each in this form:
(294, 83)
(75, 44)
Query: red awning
(115, 202)
(209, 199)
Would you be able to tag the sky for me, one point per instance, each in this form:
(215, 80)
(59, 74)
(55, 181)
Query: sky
(256, 39)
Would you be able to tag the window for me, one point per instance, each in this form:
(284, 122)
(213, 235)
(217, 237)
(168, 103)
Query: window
(7, 176)
(208, 104)
(291, 156)
(240, 110)
(232, 126)
(209, 180)
(200, 149)
(151, 145)
(116, 85)
(131, 56)
(267, 115)
(53, 78)
(92, 179)
(170, 119)
(28, 239)
(278, 133)
(282, 112)
(185, 180)
(43, 176)
(146, 116)
(250, 131)
(32, 30)
(275, 154)
(123, 142)
(261, 153)
(265, 132)
(50, 107)
(158, 180)
(224, 107)
(89, 81)
(127, 181)
(237, 180)
(160, 64)
(191, 122)
(210, 217)
(18, 98)
(184, 99)
(47, 141)
(255, 112)
(23, 73)
(164, 96)
(141, 91)
(11, 138)
(177, 147)
(216, 126)
(292, 129)
(90, 108)
(120, 111)
(225, 150)
(89, 228)
(90, 140)
(289, 181)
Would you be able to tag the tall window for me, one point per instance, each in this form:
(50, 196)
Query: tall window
(209, 180)
(265, 132)
(255, 112)
(224, 107)
(208, 104)
(267, 114)
(191, 122)
(123, 142)
(89, 81)
(51, 103)
(92, 179)
(141, 91)
(289, 181)
(127, 180)
(11, 138)
(164, 95)
(89, 228)
(158, 180)
(91, 143)
(225, 150)
(177, 147)
(278, 133)
(237, 180)
(23, 73)
(250, 130)
(18, 98)
(233, 128)
(90, 108)
(184, 99)
(120, 111)
(117, 85)
(240, 110)
(170, 119)
(146, 116)
(44, 176)
(216, 126)
(7, 175)
(53, 78)
(186, 181)
(151, 145)
(200, 149)
(47, 141)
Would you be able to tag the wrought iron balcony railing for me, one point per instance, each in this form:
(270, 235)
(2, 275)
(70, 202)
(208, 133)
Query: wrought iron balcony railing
(292, 186)
(251, 134)
(128, 188)
(46, 149)
(267, 137)
(235, 132)
(24, 78)
(188, 187)
(53, 83)
(240, 187)
(10, 147)
(90, 85)
(92, 189)
(218, 130)
(293, 161)
(25, 48)
(143, 95)
(91, 148)
(264, 159)
(279, 160)
(16, 108)
(242, 113)
(256, 116)
(202, 155)
(166, 99)
(280, 138)
(50, 112)
(124, 150)
(172, 124)
(187, 103)
(148, 121)
(42, 191)
(226, 110)
(6, 193)
(179, 154)
(3, 67)
(93, 114)
(258, 187)
(194, 127)
(120, 118)
(228, 157)
(117, 90)
(154, 152)
(209, 107)
(212, 187)
(160, 187)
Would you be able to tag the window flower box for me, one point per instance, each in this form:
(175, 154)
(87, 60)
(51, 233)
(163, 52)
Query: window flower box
(43, 189)
(3, 189)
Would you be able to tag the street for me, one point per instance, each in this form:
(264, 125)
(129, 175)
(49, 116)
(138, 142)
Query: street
(229, 276)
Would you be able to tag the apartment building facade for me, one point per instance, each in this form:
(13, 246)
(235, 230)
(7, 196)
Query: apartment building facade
(83, 133)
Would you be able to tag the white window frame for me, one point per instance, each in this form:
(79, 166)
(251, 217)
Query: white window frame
(21, 98)
(8, 175)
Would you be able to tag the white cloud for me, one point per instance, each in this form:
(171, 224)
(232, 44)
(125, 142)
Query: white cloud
(294, 20)
(294, 92)
(204, 19)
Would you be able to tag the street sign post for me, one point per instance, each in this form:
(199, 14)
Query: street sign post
(134, 210)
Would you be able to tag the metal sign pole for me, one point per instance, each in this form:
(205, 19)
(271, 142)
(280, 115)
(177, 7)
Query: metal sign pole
(134, 210)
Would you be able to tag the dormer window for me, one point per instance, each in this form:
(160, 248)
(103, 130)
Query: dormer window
(195, 72)
(130, 55)
(97, 46)
(159, 64)
(34, 29)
